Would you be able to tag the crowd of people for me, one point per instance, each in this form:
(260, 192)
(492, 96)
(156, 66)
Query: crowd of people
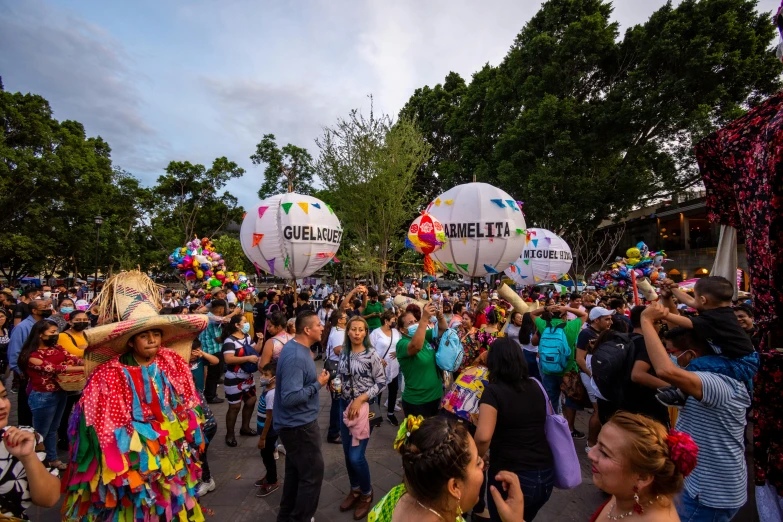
(125, 384)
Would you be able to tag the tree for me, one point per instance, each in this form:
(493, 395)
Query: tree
(368, 166)
(593, 249)
(287, 169)
(584, 125)
(231, 249)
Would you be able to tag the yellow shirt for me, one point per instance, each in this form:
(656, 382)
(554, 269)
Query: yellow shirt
(65, 340)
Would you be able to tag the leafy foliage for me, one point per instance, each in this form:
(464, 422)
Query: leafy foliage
(287, 169)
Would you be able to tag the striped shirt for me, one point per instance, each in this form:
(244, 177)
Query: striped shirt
(717, 425)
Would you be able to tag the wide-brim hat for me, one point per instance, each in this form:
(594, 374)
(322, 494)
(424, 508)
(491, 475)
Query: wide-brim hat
(134, 299)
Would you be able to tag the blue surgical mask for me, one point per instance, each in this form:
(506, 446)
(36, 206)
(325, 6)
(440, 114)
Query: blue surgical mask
(66, 310)
(412, 329)
(246, 328)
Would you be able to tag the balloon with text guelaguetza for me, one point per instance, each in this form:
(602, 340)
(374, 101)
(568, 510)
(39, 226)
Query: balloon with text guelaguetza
(485, 228)
(290, 235)
(545, 258)
(425, 236)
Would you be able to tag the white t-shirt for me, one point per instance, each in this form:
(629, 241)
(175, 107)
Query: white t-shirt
(336, 338)
(385, 348)
(231, 297)
(270, 399)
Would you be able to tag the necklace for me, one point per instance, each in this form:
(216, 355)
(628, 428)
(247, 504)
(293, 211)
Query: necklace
(623, 515)
(431, 511)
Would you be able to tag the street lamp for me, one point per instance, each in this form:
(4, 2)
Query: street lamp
(98, 222)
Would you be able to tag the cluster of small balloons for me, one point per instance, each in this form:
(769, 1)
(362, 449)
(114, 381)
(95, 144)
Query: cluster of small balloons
(198, 261)
(638, 260)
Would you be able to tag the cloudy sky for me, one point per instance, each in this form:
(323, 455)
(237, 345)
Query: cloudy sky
(165, 80)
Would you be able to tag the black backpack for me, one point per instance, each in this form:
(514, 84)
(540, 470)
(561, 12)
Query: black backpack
(612, 364)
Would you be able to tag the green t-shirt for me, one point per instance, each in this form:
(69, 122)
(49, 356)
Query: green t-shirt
(572, 329)
(422, 382)
(373, 308)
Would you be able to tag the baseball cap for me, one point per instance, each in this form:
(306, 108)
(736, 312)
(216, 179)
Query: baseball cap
(599, 311)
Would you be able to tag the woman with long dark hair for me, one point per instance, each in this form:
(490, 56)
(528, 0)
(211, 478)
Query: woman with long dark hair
(512, 417)
(384, 340)
(277, 336)
(42, 360)
(363, 377)
(528, 338)
(241, 362)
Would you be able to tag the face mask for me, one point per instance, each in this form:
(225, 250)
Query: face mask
(47, 295)
(80, 327)
(412, 329)
(66, 310)
(264, 382)
(50, 342)
(674, 359)
(246, 328)
(46, 313)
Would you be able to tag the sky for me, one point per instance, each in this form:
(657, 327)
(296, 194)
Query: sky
(194, 80)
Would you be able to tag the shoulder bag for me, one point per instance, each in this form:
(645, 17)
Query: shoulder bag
(568, 474)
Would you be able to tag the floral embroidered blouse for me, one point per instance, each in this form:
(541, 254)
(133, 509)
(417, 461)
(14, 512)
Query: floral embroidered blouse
(470, 347)
(43, 377)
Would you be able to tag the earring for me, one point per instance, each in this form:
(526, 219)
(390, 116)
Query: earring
(637, 507)
(459, 506)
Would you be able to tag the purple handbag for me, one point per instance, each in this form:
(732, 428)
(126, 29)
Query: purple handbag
(568, 474)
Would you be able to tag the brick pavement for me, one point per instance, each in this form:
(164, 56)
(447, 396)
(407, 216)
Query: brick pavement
(235, 470)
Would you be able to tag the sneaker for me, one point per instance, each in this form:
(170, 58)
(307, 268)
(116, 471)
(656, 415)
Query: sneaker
(392, 420)
(671, 396)
(280, 449)
(215, 400)
(267, 489)
(577, 434)
(205, 487)
(260, 482)
(277, 455)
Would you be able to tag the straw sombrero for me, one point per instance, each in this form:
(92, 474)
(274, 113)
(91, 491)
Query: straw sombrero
(132, 298)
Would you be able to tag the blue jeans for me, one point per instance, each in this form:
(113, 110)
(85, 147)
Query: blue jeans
(552, 386)
(48, 408)
(689, 510)
(536, 488)
(532, 364)
(355, 461)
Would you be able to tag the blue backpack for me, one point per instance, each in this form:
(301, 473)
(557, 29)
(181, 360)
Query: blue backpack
(554, 350)
(450, 353)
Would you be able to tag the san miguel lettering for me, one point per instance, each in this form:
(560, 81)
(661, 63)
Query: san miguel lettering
(477, 230)
(546, 254)
(310, 233)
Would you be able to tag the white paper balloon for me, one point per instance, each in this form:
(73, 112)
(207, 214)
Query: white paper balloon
(485, 227)
(546, 257)
(290, 235)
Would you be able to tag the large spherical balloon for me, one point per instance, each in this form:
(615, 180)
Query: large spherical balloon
(425, 236)
(546, 257)
(290, 235)
(485, 227)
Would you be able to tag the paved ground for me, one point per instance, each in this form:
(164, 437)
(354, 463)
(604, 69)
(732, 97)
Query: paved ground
(235, 470)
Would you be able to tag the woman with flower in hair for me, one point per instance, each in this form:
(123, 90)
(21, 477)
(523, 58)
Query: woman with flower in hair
(642, 466)
(442, 478)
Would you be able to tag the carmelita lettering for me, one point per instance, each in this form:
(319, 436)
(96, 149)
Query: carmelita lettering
(477, 230)
(309, 233)
(546, 254)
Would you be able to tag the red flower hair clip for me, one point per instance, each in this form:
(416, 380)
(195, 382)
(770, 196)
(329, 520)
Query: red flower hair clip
(684, 451)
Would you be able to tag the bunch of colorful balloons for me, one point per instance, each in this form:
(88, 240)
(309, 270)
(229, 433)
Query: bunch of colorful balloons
(197, 261)
(425, 236)
(638, 260)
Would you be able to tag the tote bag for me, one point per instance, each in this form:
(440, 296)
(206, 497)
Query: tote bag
(568, 474)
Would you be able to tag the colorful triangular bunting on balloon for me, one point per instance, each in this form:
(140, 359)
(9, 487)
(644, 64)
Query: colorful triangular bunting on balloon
(303, 206)
(261, 211)
(490, 269)
(437, 202)
(316, 205)
(271, 263)
(535, 243)
(512, 204)
(450, 267)
(464, 241)
(520, 231)
(537, 279)
(449, 201)
(287, 207)
(329, 207)
(527, 261)
(498, 202)
(463, 267)
(285, 262)
(513, 268)
(257, 239)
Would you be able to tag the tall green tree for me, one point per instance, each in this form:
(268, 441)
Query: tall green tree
(368, 166)
(288, 169)
(584, 125)
(231, 249)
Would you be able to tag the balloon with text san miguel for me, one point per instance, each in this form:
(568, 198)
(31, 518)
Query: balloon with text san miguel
(546, 257)
(291, 235)
(485, 229)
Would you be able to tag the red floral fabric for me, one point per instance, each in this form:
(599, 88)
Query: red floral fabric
(742, 169)
(43, 377)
